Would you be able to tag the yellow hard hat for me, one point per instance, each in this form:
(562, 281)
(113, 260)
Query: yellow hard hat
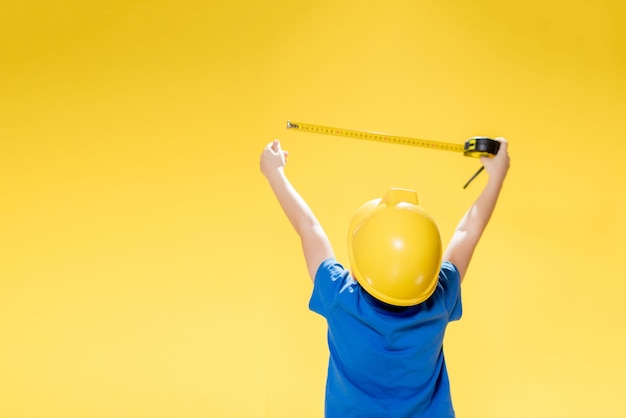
(395, 249)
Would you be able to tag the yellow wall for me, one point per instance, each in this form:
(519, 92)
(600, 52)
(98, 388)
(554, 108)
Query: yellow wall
(146, 270)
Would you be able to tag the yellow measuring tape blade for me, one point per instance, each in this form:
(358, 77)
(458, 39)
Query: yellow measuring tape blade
(374, 136)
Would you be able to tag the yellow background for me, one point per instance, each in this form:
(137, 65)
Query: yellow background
(147, 271)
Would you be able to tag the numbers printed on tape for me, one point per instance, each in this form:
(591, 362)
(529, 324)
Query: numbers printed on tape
(374, 136)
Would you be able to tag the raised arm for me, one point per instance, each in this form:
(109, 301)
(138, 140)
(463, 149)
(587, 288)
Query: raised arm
(315, 244)
(471, 227)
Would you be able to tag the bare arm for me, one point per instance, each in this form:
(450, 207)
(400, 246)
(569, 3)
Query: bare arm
(315, 244)
(472, 225)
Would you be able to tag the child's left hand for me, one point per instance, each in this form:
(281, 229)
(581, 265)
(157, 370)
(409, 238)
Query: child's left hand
(273, 158)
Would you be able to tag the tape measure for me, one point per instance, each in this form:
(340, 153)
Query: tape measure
(477, 146)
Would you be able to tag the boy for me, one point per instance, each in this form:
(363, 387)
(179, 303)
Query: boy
(387, 315)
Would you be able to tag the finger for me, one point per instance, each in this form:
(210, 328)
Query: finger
(503, 142)
(286, 154)
(276, 145)
(504, 146)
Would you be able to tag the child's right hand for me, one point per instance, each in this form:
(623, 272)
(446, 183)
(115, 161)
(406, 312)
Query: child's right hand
(498, 165)
(273, 158)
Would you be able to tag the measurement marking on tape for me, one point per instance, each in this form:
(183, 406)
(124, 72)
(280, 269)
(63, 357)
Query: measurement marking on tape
(374, 136)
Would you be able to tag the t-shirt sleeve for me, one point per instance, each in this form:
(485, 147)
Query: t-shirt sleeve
(450, 280)
(330, 278)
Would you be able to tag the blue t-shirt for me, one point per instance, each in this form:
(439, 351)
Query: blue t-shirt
(385, 361)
